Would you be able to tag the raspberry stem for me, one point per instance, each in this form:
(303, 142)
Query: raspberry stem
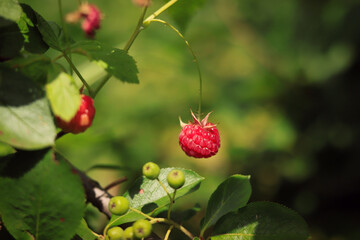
(194, 58)
(171, 204)
(160, 10)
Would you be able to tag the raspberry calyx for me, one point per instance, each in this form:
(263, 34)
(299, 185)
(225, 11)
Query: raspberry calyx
(82, 119)
(200, 138)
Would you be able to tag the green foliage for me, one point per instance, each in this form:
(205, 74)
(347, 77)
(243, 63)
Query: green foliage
(115, 61)
(83, 231)
(46, 203)
(230, 195)
(148, 195)
(261, 221)
(10, 9)
(64, 96)
(26, 121)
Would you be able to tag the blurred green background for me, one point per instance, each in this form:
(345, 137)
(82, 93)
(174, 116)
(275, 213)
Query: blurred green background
(282, 80)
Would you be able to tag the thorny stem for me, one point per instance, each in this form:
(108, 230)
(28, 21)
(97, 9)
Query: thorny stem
(78, 74)
(194, 59)
(172, 200)
(163, 186)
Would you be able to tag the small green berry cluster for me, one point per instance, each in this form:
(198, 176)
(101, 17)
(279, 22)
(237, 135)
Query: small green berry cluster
(119, 205)
(175, 178)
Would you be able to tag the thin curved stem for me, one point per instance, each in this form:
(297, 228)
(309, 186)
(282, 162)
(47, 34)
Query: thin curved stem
(160, 10)
(176, 225)
(172, 200)
(168, 232)
(194, 58)
(141, 213)
(163, 186)
(78, 73)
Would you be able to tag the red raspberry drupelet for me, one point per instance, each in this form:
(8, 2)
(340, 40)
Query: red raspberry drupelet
(82, 119)
(199, 139)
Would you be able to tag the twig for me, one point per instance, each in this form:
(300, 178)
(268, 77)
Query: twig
(117, 182)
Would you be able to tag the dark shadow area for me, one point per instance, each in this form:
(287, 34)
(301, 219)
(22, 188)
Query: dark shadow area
(17, 164)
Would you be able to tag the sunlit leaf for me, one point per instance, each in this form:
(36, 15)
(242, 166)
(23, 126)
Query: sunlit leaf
(148, 195)
(64, 96)
(26, 121)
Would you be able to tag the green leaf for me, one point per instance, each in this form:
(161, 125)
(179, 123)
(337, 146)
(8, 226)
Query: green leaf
(11, 39)
(33, 38)
(51, 33)
(32, 66)
(230, 195)
(261, 221)
(64, 96)
(46, 203)
(84, 232)
(26, 121)
(115, 61)
(148, 195)
(183, 11)
(10, 9)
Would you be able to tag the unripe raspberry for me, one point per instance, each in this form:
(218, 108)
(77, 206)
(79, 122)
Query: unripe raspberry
(115, 233)
(175, 179)
(82, 119)
(151, 170)
(142, 228)
(199, 139)
(118, 205)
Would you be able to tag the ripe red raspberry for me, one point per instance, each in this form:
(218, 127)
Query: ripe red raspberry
(199, 139)
(82, 119)
(92, 19)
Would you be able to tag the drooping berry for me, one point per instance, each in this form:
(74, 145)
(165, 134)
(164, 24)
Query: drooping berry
(151, 170)
(175, 179)
(115, 233)
(128, 233)
(199, 139)
(82, 119)
(91, 16)
(118, 205)
(142, 228)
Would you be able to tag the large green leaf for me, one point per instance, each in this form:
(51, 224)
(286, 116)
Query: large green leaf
(148, 195)
(84, 232)
(115, 61)
(183, 10)
(11, 39)
(230, 195)
(26, 121)
(10, 9)
(33, 38)
(261, 221)
(64, 96)
(33, 66)
(46, 203)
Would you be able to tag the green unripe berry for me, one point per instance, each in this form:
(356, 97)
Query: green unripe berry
(142, 228)
(151, 170)
(115, 233)
(128, 234)
(118, 205)
(176, 179)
